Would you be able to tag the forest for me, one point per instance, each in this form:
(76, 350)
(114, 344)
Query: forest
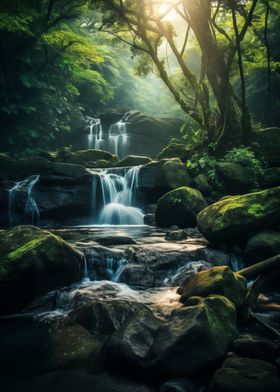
(140, 195)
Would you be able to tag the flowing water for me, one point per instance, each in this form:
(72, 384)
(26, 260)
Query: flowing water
(119, 201)
(31, 211)
(115, 139)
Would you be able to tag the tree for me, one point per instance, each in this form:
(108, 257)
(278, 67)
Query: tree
(219, 28)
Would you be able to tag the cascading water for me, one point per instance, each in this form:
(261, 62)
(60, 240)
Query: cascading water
(95, 136)
(118, 138)
(31, 211)
(118, 198)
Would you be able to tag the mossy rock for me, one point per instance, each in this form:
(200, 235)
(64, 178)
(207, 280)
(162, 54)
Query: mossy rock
(69, 170)
(133, 160)
(176, 150)
(261, 246)
(32, 262)
(266, 143)
(194, 336)
(20, 168)
(201, 183)
(82, 157)
(179, 207)
(271, 177)
(245, 375)
(175, 174)
(99, 164)
(216, 280)
(236, 177)
(231, 217)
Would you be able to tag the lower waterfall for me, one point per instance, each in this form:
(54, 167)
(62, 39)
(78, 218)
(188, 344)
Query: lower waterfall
(118, 202)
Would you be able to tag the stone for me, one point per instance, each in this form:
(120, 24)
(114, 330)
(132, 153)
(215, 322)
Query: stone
(136, 275)
(266, 143)
(201, 183)
(245, 374)
(194, 337)
(271, 177)
(128, 348)
(69, 170)
(179, 385)
(32, 262)
(176, 235)
(236, 177)
(115, 240)
(105, 316)
(133, 160)
(261, 246)
(150, 219)
(232, 217)
(251, 346)
(175, 174)
(180, 207)
(99, 164)
(83, 157)
(215, 280)
(176, 150)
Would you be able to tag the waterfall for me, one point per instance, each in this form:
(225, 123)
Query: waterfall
(31, 211)
(118, 138)
(118, 205)
(95, 136)
(108, 268)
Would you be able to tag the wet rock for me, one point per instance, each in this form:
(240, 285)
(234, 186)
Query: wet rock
(194, 337)
(133, 160)
(176, 150)
(32, 262)
(261, 246)
(251, 346)
(115, 240)
(201, 183)
(128, 348)
(265, 143)
(69, 170)
(175, 174)
(179, 207)
(137, 275)
(176, 235)
(179, 385)
(83, 157)
(187, 271)
(231, 217)
(245, 374)
(20, 168)
(216, 280)
(150, 219)
(105, 317)
(236, 177)
(271, 177)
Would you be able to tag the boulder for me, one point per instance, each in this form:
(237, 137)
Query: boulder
(251, 346)
(271, 177)
(32, 262)
(266, 143)
(231, 217)
(133, 160)
(236, 177)
(69, 170)
(245, 374)
(261, 246)
(128, 348)
(176, 150)
(194, 337)
(179, 207)
(216, 280)
(175, 174)
(99, 164)
(83, 157)
(20, 168)
(201, 183)
(105, 316)
(150, 219)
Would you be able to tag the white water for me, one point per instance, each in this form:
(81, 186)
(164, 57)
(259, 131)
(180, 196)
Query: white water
(95, 136)
(31, 211)
(118, 138)
(118, 198)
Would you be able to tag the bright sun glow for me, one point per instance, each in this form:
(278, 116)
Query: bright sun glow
(164, 6)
